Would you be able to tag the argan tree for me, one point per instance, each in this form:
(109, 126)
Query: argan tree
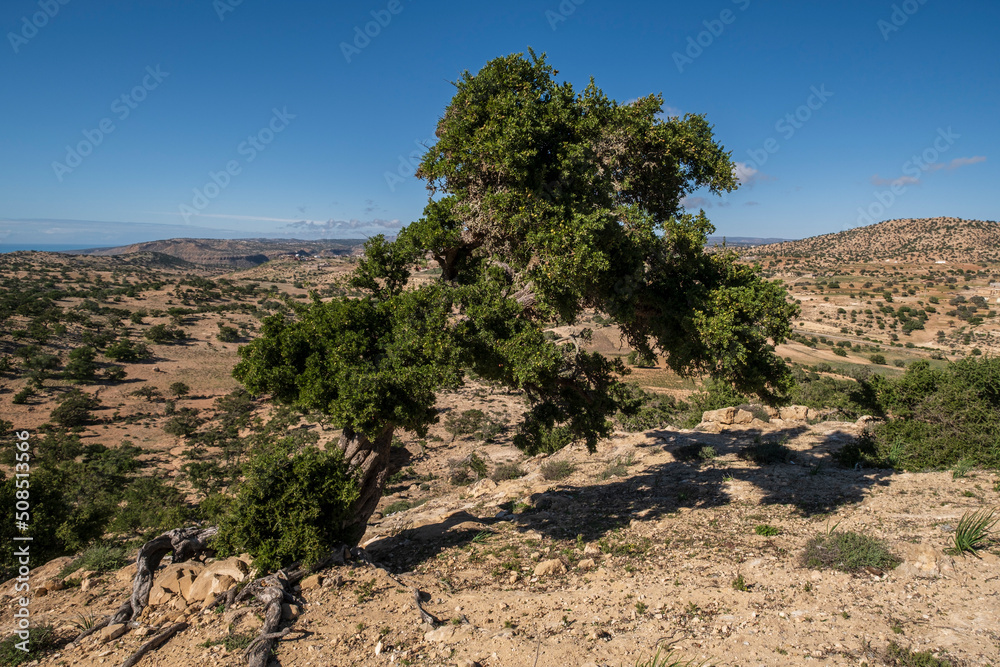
(544, 202)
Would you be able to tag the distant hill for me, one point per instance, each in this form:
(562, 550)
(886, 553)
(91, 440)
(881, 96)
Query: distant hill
(906, 240)
(235, 253)
(741, 241)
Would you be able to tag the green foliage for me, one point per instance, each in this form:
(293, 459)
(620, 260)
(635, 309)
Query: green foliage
(847, 551)
(464, 423)
(127, 351)
(161, 334)
(115, 373)
(179, 389)
(766, 453)
(641, 359)
(291, 507)
(228, 334)
(653, 410)
(81, 365)
(899, 656)
(74, 409)
(713, 396)
(877, 359)
(973, 532)
(184, 423)
(100, 557)
(934, 417)
(766, 530)
(41, 641)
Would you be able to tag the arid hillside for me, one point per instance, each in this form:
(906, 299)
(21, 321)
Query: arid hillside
(237, 253)
(906, 240)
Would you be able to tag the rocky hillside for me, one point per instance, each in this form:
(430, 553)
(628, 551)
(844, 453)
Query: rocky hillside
(907, 240)
(672, 538)
(235, 253)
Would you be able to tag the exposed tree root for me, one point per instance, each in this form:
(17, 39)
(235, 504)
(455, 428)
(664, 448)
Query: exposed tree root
(154, 643)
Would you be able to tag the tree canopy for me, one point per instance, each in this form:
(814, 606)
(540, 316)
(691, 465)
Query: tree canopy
(544, 203)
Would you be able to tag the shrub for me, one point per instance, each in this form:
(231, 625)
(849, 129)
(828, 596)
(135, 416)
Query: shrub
(289, 508)
(973, 531)
(766, 530)
(23, 395)
(184, 423)
(81, 366)
(41, 640)
(74, 409)
(506, 471)
(653, 411)
(556, 470)
(100, 557)
(934, 418)
(115, 373)
(227, 334)
(878, 359)
(839, 351)
(179, 389)
(126, 351)
(848, 552)
(464, 423)
(641, 360)
(766, 453)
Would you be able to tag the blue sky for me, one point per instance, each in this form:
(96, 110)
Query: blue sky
(252, 117)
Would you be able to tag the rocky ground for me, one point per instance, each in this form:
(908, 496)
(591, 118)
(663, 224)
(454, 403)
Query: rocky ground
(651, 542)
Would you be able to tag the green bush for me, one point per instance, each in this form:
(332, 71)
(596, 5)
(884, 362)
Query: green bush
(227, 334)
(289, 508)
(126, 351)
(556, 470)
(654, 411)
(41, 641)
(464, 423)
(934, 418)
(847, 551)
(878, 359)
(74, 409)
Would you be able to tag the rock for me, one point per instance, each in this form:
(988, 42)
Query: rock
(87, 584)
(159, 595)
(444, 633)
(923, 561)
(41, 592)
(586, 564)
(215, 578)
(290, 612)
(512, 578)
(55, 584)
(723, 416)
(178, 577)
(591, 550)
(742, 417)
(112, 632)
(798, 413)
(550, 567)
(205, 588)
(312, 581)
(126, 574)
(482, 487)
(378, 648)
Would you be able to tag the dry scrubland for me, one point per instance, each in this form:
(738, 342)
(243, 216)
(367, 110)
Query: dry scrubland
(694, 538)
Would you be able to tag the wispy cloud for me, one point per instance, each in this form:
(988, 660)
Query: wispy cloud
(696, 202)
(928, 168)
(751, 203)
(313, 227)
(749, 176)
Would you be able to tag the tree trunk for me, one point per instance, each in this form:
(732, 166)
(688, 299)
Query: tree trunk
(368, 460)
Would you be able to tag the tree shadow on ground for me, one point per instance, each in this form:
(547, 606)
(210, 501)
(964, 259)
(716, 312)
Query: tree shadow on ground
(808, 480)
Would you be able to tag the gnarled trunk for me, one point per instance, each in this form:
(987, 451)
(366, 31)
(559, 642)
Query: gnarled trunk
(368, 460)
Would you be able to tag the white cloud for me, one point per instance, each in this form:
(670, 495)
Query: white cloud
(313, 227)
(695, 202)
(747, 175)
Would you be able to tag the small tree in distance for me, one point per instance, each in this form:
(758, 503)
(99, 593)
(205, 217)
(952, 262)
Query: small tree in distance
(544, 202)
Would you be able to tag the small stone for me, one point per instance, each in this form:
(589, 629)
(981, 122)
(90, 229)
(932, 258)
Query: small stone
(378, 648)
(586, 564)
(290, 612)
(110, 632)
(550, 567)
(591, 550)
(312, 581)
(444, 633)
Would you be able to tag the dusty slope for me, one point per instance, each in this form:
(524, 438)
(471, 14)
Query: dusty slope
(657, 552)
(921, 239)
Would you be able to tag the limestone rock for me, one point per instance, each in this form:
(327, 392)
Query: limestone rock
(290, 612)
(550, 567)
(312, 581)
(586, 564)
(723, 416)
(158, 595)
(798, 413)
(742, 417)
(207, 586)
(111, 632)
(178, 577)
(924, 561)
(444, 633)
